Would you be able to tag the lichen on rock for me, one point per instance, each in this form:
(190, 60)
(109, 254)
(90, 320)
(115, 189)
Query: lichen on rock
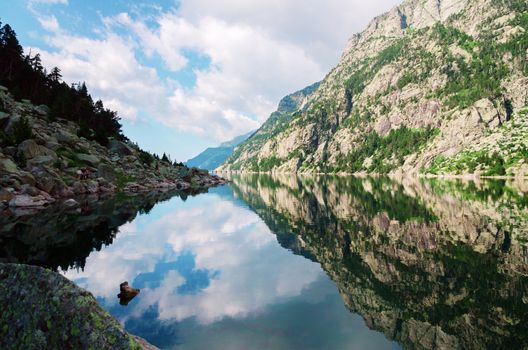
(41, 309)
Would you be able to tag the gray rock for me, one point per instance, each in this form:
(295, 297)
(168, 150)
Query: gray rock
(27, 201)
(42, 110)
(78, 188)
(30, 149)
(89, 159)
(14, 118)
(41, 160)
(8, 166)
(65, 137)
(71, 203)
(120, 148)
(61, 315)
(30, 190)
(107, 172)
(92, 187)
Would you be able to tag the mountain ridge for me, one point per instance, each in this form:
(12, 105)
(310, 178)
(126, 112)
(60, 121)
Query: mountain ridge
(435, 87)
(212, 157)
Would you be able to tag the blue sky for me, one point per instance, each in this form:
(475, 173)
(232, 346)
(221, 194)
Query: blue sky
(185, 75)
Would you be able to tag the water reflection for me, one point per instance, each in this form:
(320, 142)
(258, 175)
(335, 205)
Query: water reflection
(212, 275)
(432, 264)
(62, 237)
(426, 263)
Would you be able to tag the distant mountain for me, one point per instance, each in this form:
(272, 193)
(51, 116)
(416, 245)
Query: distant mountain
(212, 157)
(432, 86)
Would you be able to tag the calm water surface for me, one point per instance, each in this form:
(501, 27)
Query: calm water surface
(300, 263)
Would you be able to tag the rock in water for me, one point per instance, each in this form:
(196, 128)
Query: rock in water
(41, 309)
(127, 293)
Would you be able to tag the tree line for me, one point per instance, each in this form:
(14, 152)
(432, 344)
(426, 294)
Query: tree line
(26, 78)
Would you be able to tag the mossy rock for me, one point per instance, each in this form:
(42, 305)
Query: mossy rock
(44, 310)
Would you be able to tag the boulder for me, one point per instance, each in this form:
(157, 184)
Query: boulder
(107, 172)
(43, 110)
(52, 143)
(29, 190)
(127, 293)
(47, 311)
(120, 148)
(8, 166)
(11, 121)
(41, 160)
(78, 188)
(71, 203)
(65, 137)
(27, 201)
(92, 187)
(89, 159)
(53, 185)
(5, 195)
(30, 149)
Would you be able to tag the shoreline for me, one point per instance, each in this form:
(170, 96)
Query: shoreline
(21, 200)
(416, 175)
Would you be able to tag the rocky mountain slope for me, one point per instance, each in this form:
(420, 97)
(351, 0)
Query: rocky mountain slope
(42, 161)
(432, 264)
(432, 86)
(213, 157)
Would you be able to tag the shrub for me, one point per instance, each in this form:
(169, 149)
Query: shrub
(22, 130)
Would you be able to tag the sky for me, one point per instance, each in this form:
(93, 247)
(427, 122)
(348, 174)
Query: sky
(185, 75)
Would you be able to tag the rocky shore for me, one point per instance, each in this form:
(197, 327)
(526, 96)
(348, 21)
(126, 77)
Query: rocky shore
(44, 310)
(42, 160)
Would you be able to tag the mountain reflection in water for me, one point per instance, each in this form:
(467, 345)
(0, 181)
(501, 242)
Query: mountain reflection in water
(426, 263)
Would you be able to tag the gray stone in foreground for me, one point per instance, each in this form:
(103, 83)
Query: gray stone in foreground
(41, 309)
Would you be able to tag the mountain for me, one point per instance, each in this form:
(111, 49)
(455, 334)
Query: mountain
(432, 86)
(212, 157)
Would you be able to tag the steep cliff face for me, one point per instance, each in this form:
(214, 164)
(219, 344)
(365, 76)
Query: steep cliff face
(431, 264)
(435, 86)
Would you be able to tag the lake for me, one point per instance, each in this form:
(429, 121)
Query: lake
(308, 262)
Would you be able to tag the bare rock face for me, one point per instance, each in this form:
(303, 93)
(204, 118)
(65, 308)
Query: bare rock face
(413, 71)
(30, 149)
(41, 309)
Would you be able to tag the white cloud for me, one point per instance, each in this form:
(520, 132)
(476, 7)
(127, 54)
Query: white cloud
(259, 52)
(49, 23)
(48, 2)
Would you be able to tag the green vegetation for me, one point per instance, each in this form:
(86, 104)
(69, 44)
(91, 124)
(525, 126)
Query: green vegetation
(481, 76)
(146, 157)
(26, 78)
(467, 162)
(387, 152)
(358, 81)
(268, 164)
(122, 179)
(22, 130)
